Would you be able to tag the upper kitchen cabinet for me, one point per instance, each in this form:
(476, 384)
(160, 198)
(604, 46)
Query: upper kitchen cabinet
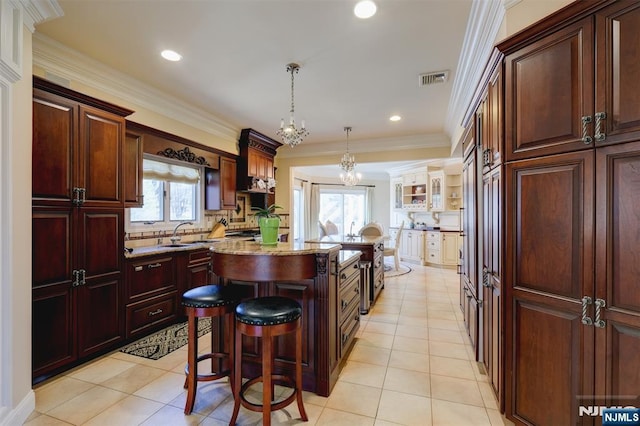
(255, 166)
(436, 191)
(573, 87)
(132, 165)
(77, 146)
(220, 186)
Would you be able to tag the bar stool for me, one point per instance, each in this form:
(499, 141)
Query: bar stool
(207, 301)
(267, 317)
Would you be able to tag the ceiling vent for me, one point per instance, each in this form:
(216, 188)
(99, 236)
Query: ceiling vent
(432, 78)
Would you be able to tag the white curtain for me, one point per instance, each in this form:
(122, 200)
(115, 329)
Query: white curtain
(159, 170)
(314, 211)
(307, 220)
(369, 200)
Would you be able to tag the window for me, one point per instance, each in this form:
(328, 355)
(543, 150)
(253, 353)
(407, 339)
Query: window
(344, 207)
(171, 194)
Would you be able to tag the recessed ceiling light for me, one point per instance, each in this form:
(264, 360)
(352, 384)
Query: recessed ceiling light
(365, 9)
(395, 118)
(170, 55)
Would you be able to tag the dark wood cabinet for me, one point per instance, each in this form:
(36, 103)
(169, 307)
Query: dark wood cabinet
(572, 308)
(151, 296)
(195, 268)
(228, 172)
(132, 170)
(492, 122)
(77, 284)
(348, 307)
(492, 312)
(256, 162)
(77, 227)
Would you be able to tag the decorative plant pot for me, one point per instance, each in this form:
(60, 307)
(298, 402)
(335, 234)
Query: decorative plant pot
(269, 227)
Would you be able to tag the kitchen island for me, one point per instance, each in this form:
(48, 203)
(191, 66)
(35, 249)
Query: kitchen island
(372, 249)
(309, 274)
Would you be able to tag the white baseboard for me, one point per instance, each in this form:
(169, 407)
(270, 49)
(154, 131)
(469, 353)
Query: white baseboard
(18, 415)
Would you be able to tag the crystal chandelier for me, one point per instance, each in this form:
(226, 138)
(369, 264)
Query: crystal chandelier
(290, 135)
(348, 164)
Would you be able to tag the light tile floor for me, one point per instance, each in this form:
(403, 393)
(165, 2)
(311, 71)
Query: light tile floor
(412, 364)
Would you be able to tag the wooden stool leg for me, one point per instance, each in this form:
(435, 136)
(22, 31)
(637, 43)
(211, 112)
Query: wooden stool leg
(267, 385)
(230, 341)
(303, 413)
(237, 376)
(192, 362)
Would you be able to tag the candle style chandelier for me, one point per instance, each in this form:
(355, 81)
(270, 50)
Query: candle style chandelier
(349, 177)
(290, 134)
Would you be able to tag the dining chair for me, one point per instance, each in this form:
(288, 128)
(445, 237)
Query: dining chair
(395, 249)
(322, 230)
(372, 229)
(332, 228)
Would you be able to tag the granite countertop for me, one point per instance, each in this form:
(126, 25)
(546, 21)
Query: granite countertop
(281, 249)
(344, 239)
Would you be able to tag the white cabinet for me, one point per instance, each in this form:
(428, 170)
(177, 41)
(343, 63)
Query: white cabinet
(414, 191)
(415, 178)
(432, 246)
(453, 191)
(412, 245)
(449, 248)
(396, 193)
(436, 191)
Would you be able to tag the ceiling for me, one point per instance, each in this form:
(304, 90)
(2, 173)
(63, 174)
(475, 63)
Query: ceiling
(353, 72)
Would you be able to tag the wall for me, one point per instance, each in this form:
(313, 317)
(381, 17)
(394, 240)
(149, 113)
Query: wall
(527, 12)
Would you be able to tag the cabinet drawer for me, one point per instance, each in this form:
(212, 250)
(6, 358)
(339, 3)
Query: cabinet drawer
(433, 236)
(348, 273)
(349, 297)
(151, 313)
(348, 330)
(433, 244)
(150, 277)
(199, 256)
(433, 256)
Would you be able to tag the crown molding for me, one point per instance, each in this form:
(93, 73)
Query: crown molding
(367, 145)
(508, 4)
(62, 61)
(38, 11)
(484, 22)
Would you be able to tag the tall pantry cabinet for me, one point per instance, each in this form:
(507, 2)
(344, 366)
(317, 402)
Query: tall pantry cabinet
(78, 227)
(572, 228)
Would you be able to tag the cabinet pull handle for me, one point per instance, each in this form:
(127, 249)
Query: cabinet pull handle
(75, 274)
(459, 269)
(83, 192)
(154, 313)
(154, 265)
(598, 136)
(597, 321)
(586, 139)
(83, 279)
(485, 277)
(586, 301)
(76, 196)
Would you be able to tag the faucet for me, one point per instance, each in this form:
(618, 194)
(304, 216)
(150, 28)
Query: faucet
(174, 239)
(351, 234)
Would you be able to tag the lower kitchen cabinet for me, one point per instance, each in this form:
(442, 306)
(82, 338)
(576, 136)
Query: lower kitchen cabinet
(77, 285)
(449, 248)
(196, 265)
(151, 296)
(432, 247)
(348, 298)
(412, 245)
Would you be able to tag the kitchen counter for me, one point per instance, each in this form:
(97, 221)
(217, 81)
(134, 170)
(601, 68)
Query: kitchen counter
(305, 272)
(372, 249)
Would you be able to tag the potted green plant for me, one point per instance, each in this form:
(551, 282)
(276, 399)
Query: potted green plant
(269, 222)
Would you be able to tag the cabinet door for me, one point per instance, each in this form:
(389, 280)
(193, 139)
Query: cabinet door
(549, 268)
(549, 87)
(469, 260)
(54, 147)
(132, 170)
(449, 248)
(492, 124)
(618, 49)
(491, 279)
(617, 271)
(101, 136)
(436, 191)
(228, 183)
(99, 308)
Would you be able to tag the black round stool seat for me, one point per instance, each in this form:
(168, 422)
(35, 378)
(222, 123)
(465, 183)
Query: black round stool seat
(209, 296)
(271, 310)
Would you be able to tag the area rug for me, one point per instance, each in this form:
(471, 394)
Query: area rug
(163, 342)
(390, 272)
